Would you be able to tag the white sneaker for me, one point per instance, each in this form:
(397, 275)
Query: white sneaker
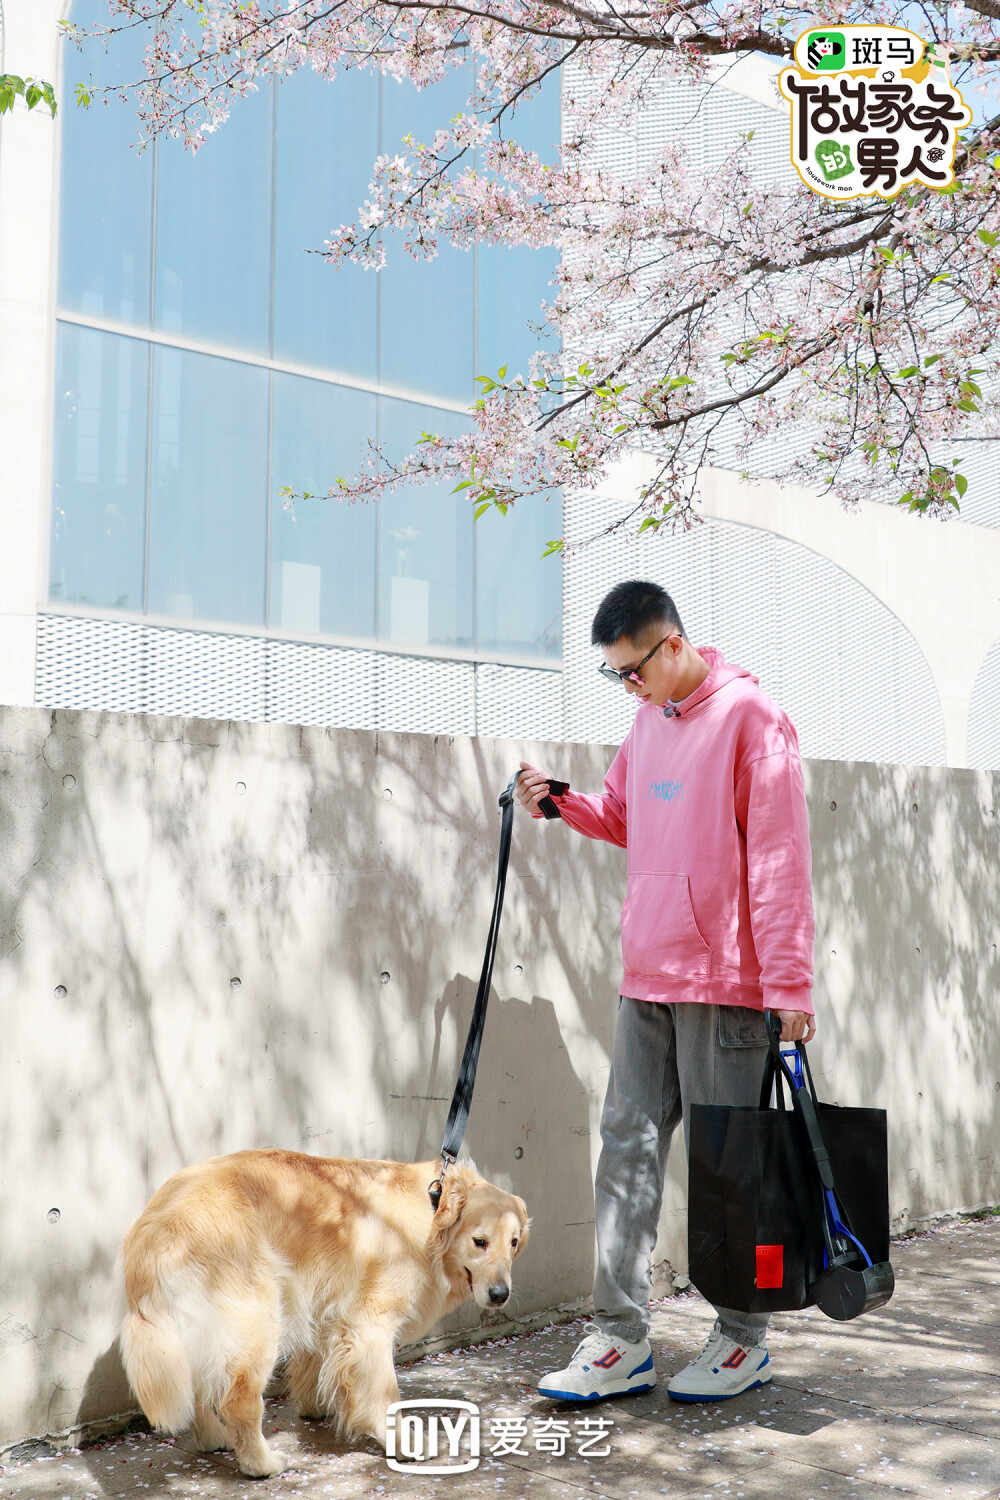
(602, 1365)
(722, 1369)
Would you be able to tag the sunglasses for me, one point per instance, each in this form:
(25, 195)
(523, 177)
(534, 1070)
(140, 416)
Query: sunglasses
(632, 674)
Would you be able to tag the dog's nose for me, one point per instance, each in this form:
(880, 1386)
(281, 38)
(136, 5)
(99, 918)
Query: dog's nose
(499, 1293)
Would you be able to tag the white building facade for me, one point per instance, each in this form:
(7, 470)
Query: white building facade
(171, 359)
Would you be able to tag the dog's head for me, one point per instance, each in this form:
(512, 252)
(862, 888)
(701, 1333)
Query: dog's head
(481, 1230)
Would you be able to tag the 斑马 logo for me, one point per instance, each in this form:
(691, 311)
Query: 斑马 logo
(826, 52)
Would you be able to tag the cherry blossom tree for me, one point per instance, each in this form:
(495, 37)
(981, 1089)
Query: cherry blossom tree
(680, 304)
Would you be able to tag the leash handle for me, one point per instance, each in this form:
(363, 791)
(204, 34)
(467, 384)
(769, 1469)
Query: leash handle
(461, 1103)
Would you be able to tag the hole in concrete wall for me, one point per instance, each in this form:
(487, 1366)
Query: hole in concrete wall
(833, 807)
(383, 978)
(518, 969)
(53, 1216)
(60, 992)
(387, 795)
(518, 1152)
(241, 787)
(69, 782)
(235, 982)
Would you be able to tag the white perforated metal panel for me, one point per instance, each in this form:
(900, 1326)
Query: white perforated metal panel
(193, 673)
(125, 665)
(96, 664)
(514, 703)
(417, 696)
(984, 715)
(321, 685)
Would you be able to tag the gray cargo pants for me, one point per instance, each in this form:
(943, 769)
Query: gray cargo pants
(666, 1058)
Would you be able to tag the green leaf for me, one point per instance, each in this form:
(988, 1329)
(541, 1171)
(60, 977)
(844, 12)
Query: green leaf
(931, 359)
(968, 405)
(480, 510)
(465, 485)
(942, 276)
(961, 483)
(910, 370)
(501, 372)
(647, 523)
(10, 87)
(988, 237)
(554, 546)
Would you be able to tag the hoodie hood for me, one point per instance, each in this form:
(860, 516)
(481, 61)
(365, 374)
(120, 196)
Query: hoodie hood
(720, 673)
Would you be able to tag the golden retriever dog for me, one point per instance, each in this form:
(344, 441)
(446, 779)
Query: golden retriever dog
(266, 1255)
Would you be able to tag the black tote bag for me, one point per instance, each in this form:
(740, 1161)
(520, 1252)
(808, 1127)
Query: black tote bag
(756, 1205)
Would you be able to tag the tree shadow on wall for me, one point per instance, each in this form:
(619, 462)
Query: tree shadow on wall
(906, 878)
(267, 935)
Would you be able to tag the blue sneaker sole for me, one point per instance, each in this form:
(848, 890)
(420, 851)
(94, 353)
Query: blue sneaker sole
(711, 1399)
(554, 1395)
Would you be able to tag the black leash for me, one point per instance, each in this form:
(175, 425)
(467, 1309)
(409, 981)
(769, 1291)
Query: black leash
(461, 1103)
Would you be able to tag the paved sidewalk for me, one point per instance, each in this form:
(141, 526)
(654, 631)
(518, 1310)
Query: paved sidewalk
(903, 1402)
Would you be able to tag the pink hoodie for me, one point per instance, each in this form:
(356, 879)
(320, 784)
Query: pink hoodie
(708, 799)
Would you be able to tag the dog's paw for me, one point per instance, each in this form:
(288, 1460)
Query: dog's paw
(266, 1463)
(311, 1414)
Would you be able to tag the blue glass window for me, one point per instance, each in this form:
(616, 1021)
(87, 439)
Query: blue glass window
(327, 143)
(208, 495)
(428, 307)
(99, 499)
(513, 282)
(323, 550)
(425, 543)
(213, 232)
(518, 592)
(106, 186)
(168, 463)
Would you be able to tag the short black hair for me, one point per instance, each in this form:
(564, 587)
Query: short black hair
(632, 611)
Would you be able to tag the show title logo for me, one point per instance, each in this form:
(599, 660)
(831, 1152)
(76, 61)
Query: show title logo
(873, 111)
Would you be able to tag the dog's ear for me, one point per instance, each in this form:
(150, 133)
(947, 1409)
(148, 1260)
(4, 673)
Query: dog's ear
(453, 1194)
(525, 1230)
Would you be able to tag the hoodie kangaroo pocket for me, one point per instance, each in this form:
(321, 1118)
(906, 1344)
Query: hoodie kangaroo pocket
(659, 931)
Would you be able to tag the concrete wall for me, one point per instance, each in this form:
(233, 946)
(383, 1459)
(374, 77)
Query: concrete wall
(215, 936)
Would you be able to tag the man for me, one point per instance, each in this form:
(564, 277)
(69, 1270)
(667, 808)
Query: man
(706, 795)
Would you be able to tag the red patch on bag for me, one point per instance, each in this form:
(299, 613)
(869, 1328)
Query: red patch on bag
(770, 1265)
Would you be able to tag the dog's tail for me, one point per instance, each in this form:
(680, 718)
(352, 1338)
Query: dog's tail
(156, 1361)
